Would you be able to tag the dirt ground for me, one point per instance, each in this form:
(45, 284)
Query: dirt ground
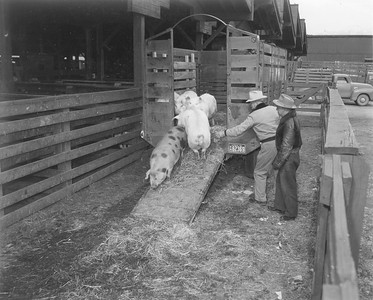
(89, 246)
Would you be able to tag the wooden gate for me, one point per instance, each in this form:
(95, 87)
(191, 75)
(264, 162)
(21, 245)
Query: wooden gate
(167, 70)
(243, 75)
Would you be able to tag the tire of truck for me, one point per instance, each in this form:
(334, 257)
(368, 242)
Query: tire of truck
(362, 100)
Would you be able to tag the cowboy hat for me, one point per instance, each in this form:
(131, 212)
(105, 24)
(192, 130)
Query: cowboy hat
(255, 95)
(285, 101)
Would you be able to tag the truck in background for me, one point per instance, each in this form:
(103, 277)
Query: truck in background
(360, 93)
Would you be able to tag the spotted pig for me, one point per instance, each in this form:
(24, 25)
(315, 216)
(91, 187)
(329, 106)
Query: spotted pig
(165, 155)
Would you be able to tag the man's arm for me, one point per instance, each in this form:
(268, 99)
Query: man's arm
(240, 128)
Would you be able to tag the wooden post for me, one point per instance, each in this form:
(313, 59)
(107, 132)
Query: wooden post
(100, 53)
(64, 147)
(6, 72)
(88, 55)
(326, 185)
(199, 38)
(138, 49)
(358, 198)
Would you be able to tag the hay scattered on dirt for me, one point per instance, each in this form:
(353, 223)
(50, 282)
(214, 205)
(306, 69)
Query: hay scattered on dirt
(233, 250)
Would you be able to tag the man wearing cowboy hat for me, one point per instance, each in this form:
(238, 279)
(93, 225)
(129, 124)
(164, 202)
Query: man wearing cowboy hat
(264, 120)
(288, 143)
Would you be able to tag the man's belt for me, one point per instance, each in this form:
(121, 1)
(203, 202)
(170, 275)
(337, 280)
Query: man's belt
(272, 138)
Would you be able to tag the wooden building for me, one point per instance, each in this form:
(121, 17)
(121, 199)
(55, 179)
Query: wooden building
(346, 48)
(97, 40)
(78, 79)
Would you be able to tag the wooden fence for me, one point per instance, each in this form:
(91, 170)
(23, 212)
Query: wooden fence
(308, 97)
(54, 146)
(302, 75)
(358, 71)
(343, 189)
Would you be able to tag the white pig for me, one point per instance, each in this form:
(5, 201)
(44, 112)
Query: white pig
(197, 128)
(181, 101)
(206, 102)
(165, 155)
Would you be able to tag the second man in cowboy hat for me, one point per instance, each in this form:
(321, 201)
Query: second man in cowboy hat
(288, 143)
(264, 120)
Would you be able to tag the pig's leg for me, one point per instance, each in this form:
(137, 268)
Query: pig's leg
(196, 152)
(204, 153)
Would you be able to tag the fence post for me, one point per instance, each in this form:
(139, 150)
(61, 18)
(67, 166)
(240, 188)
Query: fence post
(358, 196)
(64, 147)
(326, 184)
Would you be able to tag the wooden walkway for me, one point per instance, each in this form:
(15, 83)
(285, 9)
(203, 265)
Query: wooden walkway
(179, 198)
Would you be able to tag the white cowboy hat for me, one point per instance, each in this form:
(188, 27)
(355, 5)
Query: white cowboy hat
(285, 101)
(255, 95)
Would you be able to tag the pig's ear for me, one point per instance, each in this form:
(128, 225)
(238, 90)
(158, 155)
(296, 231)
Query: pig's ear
(147, 174)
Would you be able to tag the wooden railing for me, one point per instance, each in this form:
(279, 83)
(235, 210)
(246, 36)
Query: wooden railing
(343, 188)
(51, 147)
(307, 96)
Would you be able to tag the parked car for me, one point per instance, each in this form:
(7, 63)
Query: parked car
(360, 93)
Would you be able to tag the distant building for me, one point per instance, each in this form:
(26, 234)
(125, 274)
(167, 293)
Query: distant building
(356, 48)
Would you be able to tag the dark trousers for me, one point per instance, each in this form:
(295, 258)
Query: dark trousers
(286, 197)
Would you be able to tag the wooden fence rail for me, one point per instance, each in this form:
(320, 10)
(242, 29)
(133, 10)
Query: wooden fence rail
(343, 188)
(54, 146)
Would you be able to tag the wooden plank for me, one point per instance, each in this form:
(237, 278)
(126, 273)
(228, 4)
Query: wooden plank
(66, 116)
(27, 210)
(178, 65)
(184, 75)
(145, 7)
(60, 177)
(347, 182)
(14, 161)
(36, 144)
(330, 274)
(358, 197)
(161, 116)
(344, 267)
(309, 108)
(331, 292)
(326, 180)
(244, 77)
(340, 138)
(244, 42)
(213, 72)
(179, 198)
(128, 129)
(244, 61)
(320, 250)
(184, 84)
(159, 62)
(38, 105)
(183, 52)
(240, 92)
(158, 91)
(51, 161)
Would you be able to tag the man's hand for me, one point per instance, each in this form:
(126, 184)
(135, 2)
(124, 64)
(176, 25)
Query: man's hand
(219, 134)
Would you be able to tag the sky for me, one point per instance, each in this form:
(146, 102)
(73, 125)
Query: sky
(336, 17)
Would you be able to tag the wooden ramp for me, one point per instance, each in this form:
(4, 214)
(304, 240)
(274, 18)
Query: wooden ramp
(180, 197)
